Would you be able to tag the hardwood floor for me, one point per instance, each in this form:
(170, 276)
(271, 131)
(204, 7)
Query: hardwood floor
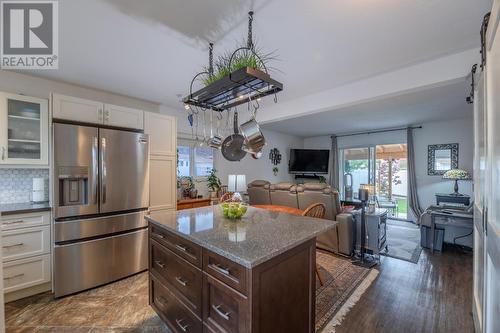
(434, 295)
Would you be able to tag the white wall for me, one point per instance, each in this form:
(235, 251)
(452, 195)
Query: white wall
(451, 131)
(253, 169)
(454, 131)
(262, 168)
(18, 83)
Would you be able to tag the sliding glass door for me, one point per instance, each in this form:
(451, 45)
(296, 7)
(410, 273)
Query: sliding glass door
(357, 168)
(391, 183)
(385, 167)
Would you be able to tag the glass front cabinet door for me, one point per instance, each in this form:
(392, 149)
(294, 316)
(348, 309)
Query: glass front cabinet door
(24, 130)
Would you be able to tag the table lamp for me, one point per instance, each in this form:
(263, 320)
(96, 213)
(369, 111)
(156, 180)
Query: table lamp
(237, 184)
(456, 175)
(370, 192)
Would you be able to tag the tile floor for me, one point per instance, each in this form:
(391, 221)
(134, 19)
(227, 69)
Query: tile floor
(117, 307)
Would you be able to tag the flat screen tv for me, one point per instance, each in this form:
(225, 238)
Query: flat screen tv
(308, 161)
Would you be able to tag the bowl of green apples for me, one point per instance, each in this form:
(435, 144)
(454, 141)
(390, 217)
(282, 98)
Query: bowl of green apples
(233, 210)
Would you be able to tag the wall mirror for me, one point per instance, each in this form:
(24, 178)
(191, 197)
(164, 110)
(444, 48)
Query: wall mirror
(441, 158)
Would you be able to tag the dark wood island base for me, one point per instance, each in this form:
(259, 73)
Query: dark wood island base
(196, 290)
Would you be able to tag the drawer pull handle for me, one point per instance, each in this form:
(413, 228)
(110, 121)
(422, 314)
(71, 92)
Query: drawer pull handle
(182, 248)
(182, 327)
(221, 313)
(221, 269)
(14, 222)
(162, 301)
(13, 277)
(12, 245)
(159, 236)
(181, 281)
(159, 263)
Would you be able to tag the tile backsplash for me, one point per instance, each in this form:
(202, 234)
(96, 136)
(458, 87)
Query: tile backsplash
(16, 184)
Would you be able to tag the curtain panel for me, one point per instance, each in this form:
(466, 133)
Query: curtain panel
(413, 201)
(334, 164)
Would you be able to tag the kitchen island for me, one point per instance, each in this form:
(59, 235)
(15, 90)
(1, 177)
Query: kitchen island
(211, 274)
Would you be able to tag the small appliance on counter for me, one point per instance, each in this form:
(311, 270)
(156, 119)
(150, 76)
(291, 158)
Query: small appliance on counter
(38, 190)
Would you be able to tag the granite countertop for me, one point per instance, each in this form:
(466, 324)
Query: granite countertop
(259, 236)
(24, 207)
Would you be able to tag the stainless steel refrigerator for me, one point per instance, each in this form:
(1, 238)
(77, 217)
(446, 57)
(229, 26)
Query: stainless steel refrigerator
(101, 194)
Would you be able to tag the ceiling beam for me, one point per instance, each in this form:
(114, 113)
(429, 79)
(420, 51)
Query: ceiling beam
(433, 73)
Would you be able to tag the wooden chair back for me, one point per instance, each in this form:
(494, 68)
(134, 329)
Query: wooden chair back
(226, 197)
(317, 210)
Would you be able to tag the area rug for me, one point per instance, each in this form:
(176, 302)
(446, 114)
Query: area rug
(344, 284)
(403, 241)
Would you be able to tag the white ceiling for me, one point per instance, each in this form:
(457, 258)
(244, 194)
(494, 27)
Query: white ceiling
(151, 49)
(439, 103)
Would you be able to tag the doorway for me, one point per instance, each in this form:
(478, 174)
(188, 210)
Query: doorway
(384, 166)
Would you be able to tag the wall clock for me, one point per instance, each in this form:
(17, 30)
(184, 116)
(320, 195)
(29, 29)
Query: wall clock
(275, 156)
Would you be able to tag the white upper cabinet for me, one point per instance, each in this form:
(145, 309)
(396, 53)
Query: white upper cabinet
(93, 112)
(120, 116)
(162, 130)
(77, 109)
(24, 130)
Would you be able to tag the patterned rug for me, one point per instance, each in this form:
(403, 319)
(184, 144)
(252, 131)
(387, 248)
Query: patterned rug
(403, 241)
(344, 284)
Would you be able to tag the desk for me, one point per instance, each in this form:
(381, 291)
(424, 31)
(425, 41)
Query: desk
(451, 198)
(457, 219)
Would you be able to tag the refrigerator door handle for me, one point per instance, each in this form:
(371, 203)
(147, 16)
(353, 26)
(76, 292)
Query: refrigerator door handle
(104, 172)
(95, 168)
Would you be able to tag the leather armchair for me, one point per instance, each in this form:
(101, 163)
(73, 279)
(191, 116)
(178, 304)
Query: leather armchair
(339, 239)
(284, 194)
(258, 192)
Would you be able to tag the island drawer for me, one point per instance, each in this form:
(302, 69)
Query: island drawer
(182, 247)
(227, 271)
(224, 309)
(185, 279)
(178, 318)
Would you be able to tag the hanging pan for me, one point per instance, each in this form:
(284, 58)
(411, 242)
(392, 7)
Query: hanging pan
(254, 139)
(215, 141)
(232, 147)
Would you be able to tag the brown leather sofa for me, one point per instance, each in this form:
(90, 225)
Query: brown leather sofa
(337, 240)
(258, 192)
(284, 194)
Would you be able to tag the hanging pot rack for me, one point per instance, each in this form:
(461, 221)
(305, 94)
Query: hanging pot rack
(236, 88)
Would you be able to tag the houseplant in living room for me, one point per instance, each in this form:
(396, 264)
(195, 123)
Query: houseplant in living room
(214, 184)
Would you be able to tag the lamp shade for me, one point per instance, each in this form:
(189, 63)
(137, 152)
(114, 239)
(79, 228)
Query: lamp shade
(456, 174)
(369, 187)
(236, 183)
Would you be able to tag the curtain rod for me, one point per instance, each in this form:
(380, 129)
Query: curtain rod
(376, 131)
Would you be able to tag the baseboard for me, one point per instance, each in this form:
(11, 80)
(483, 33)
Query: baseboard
(18, 294)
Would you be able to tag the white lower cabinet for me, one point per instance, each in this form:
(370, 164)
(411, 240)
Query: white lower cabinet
(24, 273)
(23, 243)
(26, 254)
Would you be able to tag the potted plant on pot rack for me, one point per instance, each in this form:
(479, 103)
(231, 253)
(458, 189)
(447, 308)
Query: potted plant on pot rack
(214, 184)
(188, 190)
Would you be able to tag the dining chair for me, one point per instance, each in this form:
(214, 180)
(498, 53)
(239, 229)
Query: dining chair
(226, 197)
(316, 210)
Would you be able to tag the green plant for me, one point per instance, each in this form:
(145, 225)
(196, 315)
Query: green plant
(187, 181)
(256, 59)
(322, 179)
(275, 171)
(213, 182)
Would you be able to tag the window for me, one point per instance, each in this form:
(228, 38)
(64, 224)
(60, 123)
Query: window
(193, 160)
